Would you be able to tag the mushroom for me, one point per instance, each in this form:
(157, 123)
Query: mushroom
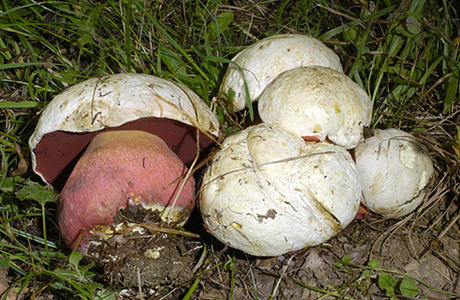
(316, 102)
(118, 114)
(268, 192)
(261, 62)
(395, 170)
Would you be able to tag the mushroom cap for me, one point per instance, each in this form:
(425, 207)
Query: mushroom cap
(268, 192)
(317, 102)
(118, 102)
(395, 169)
(267, 58)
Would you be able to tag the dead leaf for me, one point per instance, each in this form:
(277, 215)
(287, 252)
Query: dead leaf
(23, 163)
(4, 286)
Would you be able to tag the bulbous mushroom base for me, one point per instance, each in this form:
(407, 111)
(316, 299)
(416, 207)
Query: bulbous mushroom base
(117, 169)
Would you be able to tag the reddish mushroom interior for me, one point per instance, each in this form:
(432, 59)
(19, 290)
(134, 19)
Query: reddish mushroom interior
(58, 152)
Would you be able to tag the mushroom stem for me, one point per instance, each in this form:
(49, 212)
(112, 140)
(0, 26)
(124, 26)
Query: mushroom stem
(121, 168)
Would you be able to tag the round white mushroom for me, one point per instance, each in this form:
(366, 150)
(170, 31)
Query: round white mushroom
(317, 102)
(264, 60)
(395, 170)
(268, 192)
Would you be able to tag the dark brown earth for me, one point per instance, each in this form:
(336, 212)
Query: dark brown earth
(139, 254)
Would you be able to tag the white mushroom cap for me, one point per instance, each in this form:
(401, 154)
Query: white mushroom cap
(122, 101)
(267, 58)
(268, 192)
(395, 170)
(317, 102)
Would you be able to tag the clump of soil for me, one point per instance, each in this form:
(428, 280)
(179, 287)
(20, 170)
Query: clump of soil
(140, 255)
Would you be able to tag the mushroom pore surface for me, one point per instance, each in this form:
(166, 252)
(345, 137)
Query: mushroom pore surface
(121, 168)
(119, 102)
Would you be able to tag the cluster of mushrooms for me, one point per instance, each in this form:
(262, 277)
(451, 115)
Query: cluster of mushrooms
(284, 184)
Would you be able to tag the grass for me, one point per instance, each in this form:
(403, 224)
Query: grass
(405, 55)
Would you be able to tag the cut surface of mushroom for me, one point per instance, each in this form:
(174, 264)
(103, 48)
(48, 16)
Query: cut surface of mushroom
(317, 102)
(267, 192)
(395, 170)
(264, 60)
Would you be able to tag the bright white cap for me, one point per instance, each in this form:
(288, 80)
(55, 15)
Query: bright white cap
(395, 171)
(267, 58)
(267, 192)
(317, 102)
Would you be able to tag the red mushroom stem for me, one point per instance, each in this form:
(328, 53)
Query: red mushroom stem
(120, 168)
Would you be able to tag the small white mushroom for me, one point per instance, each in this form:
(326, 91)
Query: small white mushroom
(268, 192)
(395, 171)
(317, 102)
(267, 58)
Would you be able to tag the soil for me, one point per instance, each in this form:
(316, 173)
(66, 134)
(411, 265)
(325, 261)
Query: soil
(410, 250)
(137, 254)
